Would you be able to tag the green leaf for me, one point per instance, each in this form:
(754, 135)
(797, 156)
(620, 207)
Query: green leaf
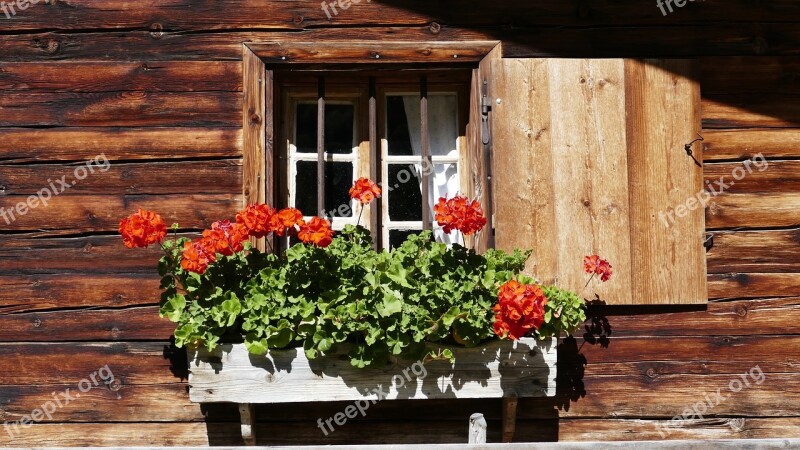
(173, 308)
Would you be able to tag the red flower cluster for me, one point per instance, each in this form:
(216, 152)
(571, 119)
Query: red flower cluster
(255, 219)
(365, 191)
(519, 308)
(226, 238)
(142, 229)
(597, 266)
(459, 213)
(317, 231)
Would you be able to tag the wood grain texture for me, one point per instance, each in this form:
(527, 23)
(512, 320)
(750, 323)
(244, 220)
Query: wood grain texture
(21, 145)
(592, 176)
(753, 210)
(347, 52)
(230, 374)
(662, 106)
(152, 76)
(746, 143)
(257, 125)
(119, 109)
(101, 213)
(751, 111)
(753, 285)
(761, 251)
(155, 178)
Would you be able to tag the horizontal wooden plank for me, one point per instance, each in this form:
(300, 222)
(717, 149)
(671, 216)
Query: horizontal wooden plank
(748, 74)
(74, 257)
(647, 429)
(251, 14)
(659, 40)
(746, 143)
(80, 144)
(96, 76)
(102, 213)
(419, 52)
(122, 435)
(525, 367)
(27, 293)
(87, 325)
(730, 318)
(192, 177)
(116, 402)
(119, 109)
(753, 110)
(753, 285)
(753, 210)
(754, 251)
(754, 176)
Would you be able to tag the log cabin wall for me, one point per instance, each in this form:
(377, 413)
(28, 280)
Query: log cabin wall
(155, 86)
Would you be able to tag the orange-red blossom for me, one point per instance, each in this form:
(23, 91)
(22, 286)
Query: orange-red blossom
(142, 228)
(365, 190)
(519, 309)
(459, 213)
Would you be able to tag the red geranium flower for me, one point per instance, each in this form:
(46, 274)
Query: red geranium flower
(290, 218)
(459, 213)
(318, 232)
(365, 191)
(196, 256)
(519, 309)
(595, 265)
(256, 219)
(226, 237)
(142, 228)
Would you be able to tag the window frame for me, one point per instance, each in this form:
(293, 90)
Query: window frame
(261, 61)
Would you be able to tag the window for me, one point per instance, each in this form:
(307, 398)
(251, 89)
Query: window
(569, 157)
(396, 160)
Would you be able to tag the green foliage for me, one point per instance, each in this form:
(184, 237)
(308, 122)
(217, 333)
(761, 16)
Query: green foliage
(380, 303)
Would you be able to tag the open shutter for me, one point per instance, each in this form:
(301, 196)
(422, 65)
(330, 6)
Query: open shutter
(588, 158)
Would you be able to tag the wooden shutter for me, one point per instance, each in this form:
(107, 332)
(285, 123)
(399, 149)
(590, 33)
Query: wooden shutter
(588, 158)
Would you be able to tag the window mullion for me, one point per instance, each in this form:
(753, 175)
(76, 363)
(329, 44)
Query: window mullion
(425, 152)
(374, 162)
(321, 146)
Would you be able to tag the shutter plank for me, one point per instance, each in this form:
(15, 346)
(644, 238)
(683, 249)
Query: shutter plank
(590, 173)
(524, 206)
(663, 115)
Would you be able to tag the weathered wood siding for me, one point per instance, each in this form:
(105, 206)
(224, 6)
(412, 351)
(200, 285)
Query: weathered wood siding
(156, 86)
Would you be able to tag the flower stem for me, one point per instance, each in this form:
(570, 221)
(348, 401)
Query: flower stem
(590, 280)
(359, 215)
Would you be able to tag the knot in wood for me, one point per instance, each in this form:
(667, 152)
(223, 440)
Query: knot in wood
(53, 46)
(255, 118)
(156, 31)
(587, 203)
(741, 311)
(651, 373)
(736, 424)
(435, 28)
(87, 248)
(298, 19)
(115, 385)
(3, 188)
(37, 323)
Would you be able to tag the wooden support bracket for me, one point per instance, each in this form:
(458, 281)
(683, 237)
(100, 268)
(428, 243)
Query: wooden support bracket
(247, 413)
(509, 416)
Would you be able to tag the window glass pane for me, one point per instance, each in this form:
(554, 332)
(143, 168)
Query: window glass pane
(403, 128)
(339, 125)
(405, 196)
(338, 179)
(397, 237)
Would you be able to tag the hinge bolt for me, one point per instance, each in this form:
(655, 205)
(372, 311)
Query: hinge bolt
(499, 101)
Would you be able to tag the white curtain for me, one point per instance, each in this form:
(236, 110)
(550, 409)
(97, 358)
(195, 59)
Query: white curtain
(443, 136)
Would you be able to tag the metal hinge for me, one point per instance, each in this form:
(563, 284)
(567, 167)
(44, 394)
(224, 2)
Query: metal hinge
(486, 107)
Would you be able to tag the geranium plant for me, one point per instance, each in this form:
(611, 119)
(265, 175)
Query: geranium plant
(334, 288)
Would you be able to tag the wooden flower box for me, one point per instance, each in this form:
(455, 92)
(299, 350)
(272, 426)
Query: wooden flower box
(499, 369)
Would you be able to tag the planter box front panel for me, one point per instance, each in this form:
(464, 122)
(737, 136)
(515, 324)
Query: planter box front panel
(525, 368)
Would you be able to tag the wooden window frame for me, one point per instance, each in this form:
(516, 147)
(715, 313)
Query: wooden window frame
(260, 60)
